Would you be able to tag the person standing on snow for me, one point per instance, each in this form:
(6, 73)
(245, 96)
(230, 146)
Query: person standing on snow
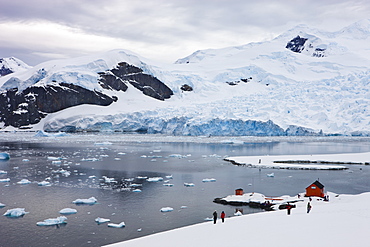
(309, 207)
(288, 207)
(223, 216)
(214, 217)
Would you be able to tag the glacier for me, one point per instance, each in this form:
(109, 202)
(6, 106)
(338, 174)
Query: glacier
(304, 82)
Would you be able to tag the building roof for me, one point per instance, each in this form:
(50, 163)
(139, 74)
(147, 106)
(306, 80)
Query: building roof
(318, 184)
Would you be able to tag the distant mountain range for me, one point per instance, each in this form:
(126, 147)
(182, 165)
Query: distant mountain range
(303, 82)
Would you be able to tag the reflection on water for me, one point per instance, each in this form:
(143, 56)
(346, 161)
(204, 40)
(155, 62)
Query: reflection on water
(77, 168)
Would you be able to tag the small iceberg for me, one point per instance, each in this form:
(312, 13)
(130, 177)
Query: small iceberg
(3, 172)
(168, 185)
(166, 209)
(2, 205)
(120, 225)
(136, 190)
(155, 179)
(44, 183)
(24, 181)
(68, 211)
(91, 200)
(101, 220)
(53, 221)
(4, 156)
(271, 175)
(135, 185)
(209, 180)
(238, 213)
(189, 184)
(4, 180)
(15, 212)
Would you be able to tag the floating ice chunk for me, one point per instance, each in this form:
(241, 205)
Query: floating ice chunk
(54, 158)
(68, 211)
(101, 220)
(183, 207)
(15, 212)
(44, 183)
(104, 155)
(169, 177)
(136, 190)
(189, 184)
(109, 180)
(53, 221)
(135, 185)
(155, 179)
(25, 160)
(41, 133)
(4, 180)
(89, 159)
(24, 181)
(93, 176)
(120, 153)
(139, 230)
(129, 179)
(91, 200)
(2, 205)
(56, 162)
(169, 185)
(117, 158)
(103, 143)
(166, 209)
(62, 171)
(3, 172)
(208, 219)
(238, 213)
(4, 156)
(209, 180)
(120, 225)
(141, 177)
(271, 175)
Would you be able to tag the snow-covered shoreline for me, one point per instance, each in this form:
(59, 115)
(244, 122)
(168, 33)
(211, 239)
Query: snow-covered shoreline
(343, 221)
(317, 162)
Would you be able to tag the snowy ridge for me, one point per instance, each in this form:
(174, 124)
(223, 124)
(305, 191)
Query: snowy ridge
(303, 82)
(10, 65)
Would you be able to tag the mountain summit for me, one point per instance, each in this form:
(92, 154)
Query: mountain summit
(303, 82)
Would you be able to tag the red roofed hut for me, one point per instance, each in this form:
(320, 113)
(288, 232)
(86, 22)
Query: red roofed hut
(315, 189)
(239, 192)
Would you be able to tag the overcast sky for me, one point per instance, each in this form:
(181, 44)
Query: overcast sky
(40, 30)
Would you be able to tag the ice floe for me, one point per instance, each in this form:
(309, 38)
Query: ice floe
(189, 184)
(44, 183)
(209, 180)
(15, 212)
(3, 172)
(91, 200)
(136, 190)
(120, 225)
(155, 179)
(53, 221)
(5, 180)
(101, 220)
(166, 209)
(4, 156)
(24, 181)
(68, 211)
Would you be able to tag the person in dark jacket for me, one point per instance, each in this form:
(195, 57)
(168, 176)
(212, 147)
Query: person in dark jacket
(214, 217)
(288, 207)
(309, 207)
(223, 216)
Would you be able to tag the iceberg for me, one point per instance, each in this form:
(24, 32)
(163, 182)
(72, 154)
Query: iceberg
(44, 183)
(189, 184)
(15, 212)
(101, 220)
(155, 179)
(209, 180)
(2, 205)
(4, 156)
(5, 180)
(166, 209)
(3, 172)
(53, 221)
(120, 225)
(136, 190)
(68, 211)
(24, 181)
(91, 200)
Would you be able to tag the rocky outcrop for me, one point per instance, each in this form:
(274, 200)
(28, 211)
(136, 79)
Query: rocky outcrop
(22, 108)
(296, 44)
(118, 78)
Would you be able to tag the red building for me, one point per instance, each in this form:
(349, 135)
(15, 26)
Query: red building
(239, 192)
(315, 189)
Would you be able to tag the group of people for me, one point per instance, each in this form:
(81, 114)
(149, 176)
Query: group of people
(223, 215)
(289, 207)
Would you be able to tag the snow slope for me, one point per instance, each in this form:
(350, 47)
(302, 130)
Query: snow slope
(343, 221)
(254, 89)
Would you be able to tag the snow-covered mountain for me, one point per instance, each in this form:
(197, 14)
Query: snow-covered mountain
(10, 65)
(303, 82)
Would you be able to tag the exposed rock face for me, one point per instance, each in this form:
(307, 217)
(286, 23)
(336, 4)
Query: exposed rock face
(31, 105)
(186, 87)
(296, 44)
(117, 79)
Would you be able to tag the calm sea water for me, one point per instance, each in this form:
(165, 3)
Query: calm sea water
(117, 157)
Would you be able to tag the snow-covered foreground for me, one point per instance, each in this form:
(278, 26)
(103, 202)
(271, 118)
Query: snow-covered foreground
(343, 221)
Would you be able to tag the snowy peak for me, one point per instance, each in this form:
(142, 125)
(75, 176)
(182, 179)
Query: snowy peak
(358, 30)
(10, 65)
